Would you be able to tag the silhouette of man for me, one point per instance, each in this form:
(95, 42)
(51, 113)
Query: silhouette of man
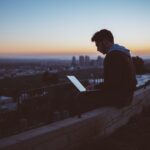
(119, 74)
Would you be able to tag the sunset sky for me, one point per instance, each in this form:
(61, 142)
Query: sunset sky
(65, 27)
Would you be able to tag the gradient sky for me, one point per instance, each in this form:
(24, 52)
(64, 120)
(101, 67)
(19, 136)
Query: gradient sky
(65, 27)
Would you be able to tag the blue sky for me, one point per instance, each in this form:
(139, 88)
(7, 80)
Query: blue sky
(47, 27)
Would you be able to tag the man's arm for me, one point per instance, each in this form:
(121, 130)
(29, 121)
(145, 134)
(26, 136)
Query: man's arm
(113, 71)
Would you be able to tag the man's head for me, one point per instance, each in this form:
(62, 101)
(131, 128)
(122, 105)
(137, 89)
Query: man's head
(103, 40)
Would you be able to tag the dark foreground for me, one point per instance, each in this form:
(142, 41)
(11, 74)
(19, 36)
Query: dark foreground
(133, 136)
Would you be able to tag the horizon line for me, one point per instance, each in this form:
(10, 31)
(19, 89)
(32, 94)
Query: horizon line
(62, 57)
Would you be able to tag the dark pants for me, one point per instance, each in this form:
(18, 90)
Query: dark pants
(86, 101)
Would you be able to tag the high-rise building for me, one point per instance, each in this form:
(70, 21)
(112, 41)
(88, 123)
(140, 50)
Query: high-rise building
(74, 61)
(87, 60)
(81, 60)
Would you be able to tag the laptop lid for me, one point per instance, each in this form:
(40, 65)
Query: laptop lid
(77, 83)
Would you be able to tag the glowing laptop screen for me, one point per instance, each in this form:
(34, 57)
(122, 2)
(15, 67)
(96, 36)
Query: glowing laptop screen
(77, 84)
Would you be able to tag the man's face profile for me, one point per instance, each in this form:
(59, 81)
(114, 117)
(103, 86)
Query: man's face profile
(100, 47)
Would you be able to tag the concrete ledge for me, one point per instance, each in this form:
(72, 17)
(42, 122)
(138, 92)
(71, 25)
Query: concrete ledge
(72, 132)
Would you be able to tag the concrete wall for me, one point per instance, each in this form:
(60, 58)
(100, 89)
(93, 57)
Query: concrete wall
(72, 132)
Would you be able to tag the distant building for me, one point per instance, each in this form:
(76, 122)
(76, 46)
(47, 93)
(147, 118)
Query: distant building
(81, 60)
(7, 104)
(74, 61)
(99, 61)
(87, 60)
(93, 62)
(23, 97)
(5, 99)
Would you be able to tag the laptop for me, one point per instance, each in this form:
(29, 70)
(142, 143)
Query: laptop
(77, 83)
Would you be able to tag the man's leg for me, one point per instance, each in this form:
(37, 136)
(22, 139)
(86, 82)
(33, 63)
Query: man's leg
(87, 101)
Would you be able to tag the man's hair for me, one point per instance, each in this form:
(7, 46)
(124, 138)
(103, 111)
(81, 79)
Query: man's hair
(101, 35)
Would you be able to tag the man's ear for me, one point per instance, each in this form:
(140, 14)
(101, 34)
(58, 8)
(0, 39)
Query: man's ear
(105, 42)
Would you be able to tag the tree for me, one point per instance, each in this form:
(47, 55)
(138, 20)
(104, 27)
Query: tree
(50, 78)
(139, 64)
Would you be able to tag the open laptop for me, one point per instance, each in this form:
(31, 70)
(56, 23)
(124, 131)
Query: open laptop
(76, 83)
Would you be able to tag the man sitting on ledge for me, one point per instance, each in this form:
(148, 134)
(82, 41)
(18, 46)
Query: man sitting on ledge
(119, 75)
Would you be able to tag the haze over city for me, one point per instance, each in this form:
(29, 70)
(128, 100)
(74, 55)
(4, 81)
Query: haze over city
(64, 28)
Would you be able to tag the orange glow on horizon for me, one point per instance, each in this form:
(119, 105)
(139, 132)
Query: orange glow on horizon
(62, 49)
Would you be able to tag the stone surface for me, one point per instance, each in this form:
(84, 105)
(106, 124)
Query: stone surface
(73, 132)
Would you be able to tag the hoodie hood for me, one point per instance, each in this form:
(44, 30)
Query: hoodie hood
(120, 48)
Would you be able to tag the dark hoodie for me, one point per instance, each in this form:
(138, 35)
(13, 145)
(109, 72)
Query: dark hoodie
(119, 73)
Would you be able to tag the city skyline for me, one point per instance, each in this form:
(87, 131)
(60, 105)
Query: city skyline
(64, 28)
